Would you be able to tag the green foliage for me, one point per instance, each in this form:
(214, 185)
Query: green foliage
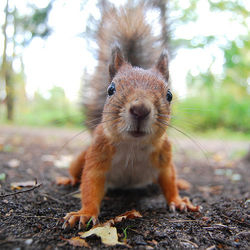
(237, 61)
(218, 109)
(186, 13)
(235, 74)
(235, 7)
(55, 110)
(35, 24)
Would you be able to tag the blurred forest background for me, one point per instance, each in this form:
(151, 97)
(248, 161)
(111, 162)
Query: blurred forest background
(216, 96)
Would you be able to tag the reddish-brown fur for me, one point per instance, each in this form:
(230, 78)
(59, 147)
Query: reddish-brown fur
(136, 89)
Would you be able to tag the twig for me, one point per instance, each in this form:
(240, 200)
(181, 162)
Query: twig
(34, 216)
(190, 242)
(21, 191)
(211, 248)
(179, 221)
(216, 226)
(235, 220)
(75, 192)
(51, 198)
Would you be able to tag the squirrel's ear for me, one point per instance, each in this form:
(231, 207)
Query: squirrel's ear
(117, 61)
(162, 65)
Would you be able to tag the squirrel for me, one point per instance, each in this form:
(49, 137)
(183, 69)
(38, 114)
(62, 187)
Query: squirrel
(128, 113)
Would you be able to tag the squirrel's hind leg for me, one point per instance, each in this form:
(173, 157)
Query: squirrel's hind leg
(183, 184)
(75, 170)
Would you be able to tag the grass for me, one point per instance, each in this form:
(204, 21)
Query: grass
(124, 230)
(88, 224)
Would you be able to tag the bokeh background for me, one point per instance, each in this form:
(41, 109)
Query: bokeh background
(47, 54)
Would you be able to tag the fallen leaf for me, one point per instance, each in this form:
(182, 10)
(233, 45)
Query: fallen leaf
(14, 163)
(77, 242)
(20, 185)
(107, 234)
(77, 195)
(127, 215)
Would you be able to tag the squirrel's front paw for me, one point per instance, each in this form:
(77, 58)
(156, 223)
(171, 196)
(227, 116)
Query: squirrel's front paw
(81, 217)
(183, 204)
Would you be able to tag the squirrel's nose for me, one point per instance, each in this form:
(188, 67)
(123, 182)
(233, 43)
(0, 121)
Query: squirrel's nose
(139, 111)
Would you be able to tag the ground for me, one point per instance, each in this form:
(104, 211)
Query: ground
(33, 219)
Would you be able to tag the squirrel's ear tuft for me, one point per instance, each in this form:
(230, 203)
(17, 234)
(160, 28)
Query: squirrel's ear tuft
(117, 61)
(162, 65)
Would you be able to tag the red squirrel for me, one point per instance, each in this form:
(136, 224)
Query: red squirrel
(130, 110)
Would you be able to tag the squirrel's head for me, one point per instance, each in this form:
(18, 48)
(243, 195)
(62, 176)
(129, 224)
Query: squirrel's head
(138, 100)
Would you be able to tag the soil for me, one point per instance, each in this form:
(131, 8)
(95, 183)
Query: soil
(33, 219)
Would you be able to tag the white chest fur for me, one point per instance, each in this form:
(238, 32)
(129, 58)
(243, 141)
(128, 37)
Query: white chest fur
(131, 166)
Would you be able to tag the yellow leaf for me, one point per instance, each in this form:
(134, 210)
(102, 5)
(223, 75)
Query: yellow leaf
(107, 234)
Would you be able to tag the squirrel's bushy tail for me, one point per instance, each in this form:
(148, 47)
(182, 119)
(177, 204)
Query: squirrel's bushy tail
(127, 27)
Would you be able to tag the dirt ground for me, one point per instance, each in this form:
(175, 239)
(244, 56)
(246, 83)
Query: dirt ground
(33, 220)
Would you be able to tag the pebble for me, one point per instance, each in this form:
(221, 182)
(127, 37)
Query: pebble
(28, 241)
(14, 163)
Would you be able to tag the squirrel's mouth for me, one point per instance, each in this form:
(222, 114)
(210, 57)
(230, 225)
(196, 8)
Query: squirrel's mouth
(137, 133)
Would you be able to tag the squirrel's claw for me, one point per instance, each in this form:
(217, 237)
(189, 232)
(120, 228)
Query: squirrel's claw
(183, 205)
(72, 218)
(172, 207)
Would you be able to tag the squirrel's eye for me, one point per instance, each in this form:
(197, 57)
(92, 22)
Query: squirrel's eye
(111, 89)
(169, 96)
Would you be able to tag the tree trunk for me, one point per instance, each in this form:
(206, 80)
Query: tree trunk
(6, 70)
(9, 88)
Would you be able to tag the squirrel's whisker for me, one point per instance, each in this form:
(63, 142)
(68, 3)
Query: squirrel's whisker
(187, 135)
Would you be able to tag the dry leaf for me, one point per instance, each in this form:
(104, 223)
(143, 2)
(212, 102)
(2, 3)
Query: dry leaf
(77, 242)
(107, 234)
(77, 195)
(128, 215)
(14, 163)
(20, 185)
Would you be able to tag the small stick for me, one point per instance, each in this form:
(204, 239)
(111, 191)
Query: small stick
(72, 193)
(34, 216)
(190, 242)
(235, 220)
(174, 221)
(51, 198)
(21, 191)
